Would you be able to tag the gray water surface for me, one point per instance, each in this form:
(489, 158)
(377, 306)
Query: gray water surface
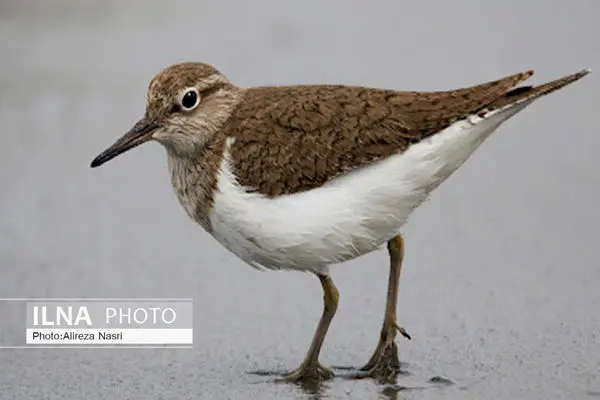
(501, 285)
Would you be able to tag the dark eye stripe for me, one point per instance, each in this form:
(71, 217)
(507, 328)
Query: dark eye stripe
(213, 89)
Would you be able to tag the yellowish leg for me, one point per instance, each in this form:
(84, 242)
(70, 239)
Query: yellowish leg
(310, 369)
(385, 358)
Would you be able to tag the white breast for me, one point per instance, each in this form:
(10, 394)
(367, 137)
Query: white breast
(348, 216)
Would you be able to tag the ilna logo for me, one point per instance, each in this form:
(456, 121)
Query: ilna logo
(59, 315)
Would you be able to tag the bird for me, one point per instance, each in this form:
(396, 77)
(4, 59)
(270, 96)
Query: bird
(304, 177)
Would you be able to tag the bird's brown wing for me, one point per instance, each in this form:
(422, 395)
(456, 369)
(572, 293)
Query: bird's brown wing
(291, 139)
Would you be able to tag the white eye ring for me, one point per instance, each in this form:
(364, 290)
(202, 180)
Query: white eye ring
(189, 99)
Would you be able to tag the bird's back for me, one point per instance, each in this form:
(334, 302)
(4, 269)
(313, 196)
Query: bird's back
(296, 138)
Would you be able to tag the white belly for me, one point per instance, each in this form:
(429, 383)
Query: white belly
(348, 216)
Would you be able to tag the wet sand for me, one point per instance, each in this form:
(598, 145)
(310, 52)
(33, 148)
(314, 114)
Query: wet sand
(500, 284)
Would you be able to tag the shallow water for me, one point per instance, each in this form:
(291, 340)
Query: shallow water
(501, 278)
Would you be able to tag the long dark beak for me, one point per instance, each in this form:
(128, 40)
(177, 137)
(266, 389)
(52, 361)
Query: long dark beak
(140, 133)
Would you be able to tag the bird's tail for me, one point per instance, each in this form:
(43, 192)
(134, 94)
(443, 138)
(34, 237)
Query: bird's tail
(526, 93)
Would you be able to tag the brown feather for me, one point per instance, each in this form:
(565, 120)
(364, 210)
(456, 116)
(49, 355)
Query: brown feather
(291, 139)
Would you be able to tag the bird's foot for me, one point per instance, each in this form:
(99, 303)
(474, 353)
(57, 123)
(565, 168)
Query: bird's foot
(308, 372)
(384, 364)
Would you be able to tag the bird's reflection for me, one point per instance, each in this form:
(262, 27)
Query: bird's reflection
(389, 387)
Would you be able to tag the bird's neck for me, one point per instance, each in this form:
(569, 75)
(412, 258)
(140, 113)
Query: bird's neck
(195, 180)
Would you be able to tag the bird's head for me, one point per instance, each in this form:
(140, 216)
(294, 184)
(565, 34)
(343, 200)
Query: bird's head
(186, 105)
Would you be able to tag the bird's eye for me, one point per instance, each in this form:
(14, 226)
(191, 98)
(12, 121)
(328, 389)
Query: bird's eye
(190, 99)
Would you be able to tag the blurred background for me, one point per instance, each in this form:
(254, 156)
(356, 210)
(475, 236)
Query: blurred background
(500, 289)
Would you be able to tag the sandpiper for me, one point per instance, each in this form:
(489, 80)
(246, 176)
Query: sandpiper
(303, 177)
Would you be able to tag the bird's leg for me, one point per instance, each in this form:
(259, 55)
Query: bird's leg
(311, 369)
(385, 358)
